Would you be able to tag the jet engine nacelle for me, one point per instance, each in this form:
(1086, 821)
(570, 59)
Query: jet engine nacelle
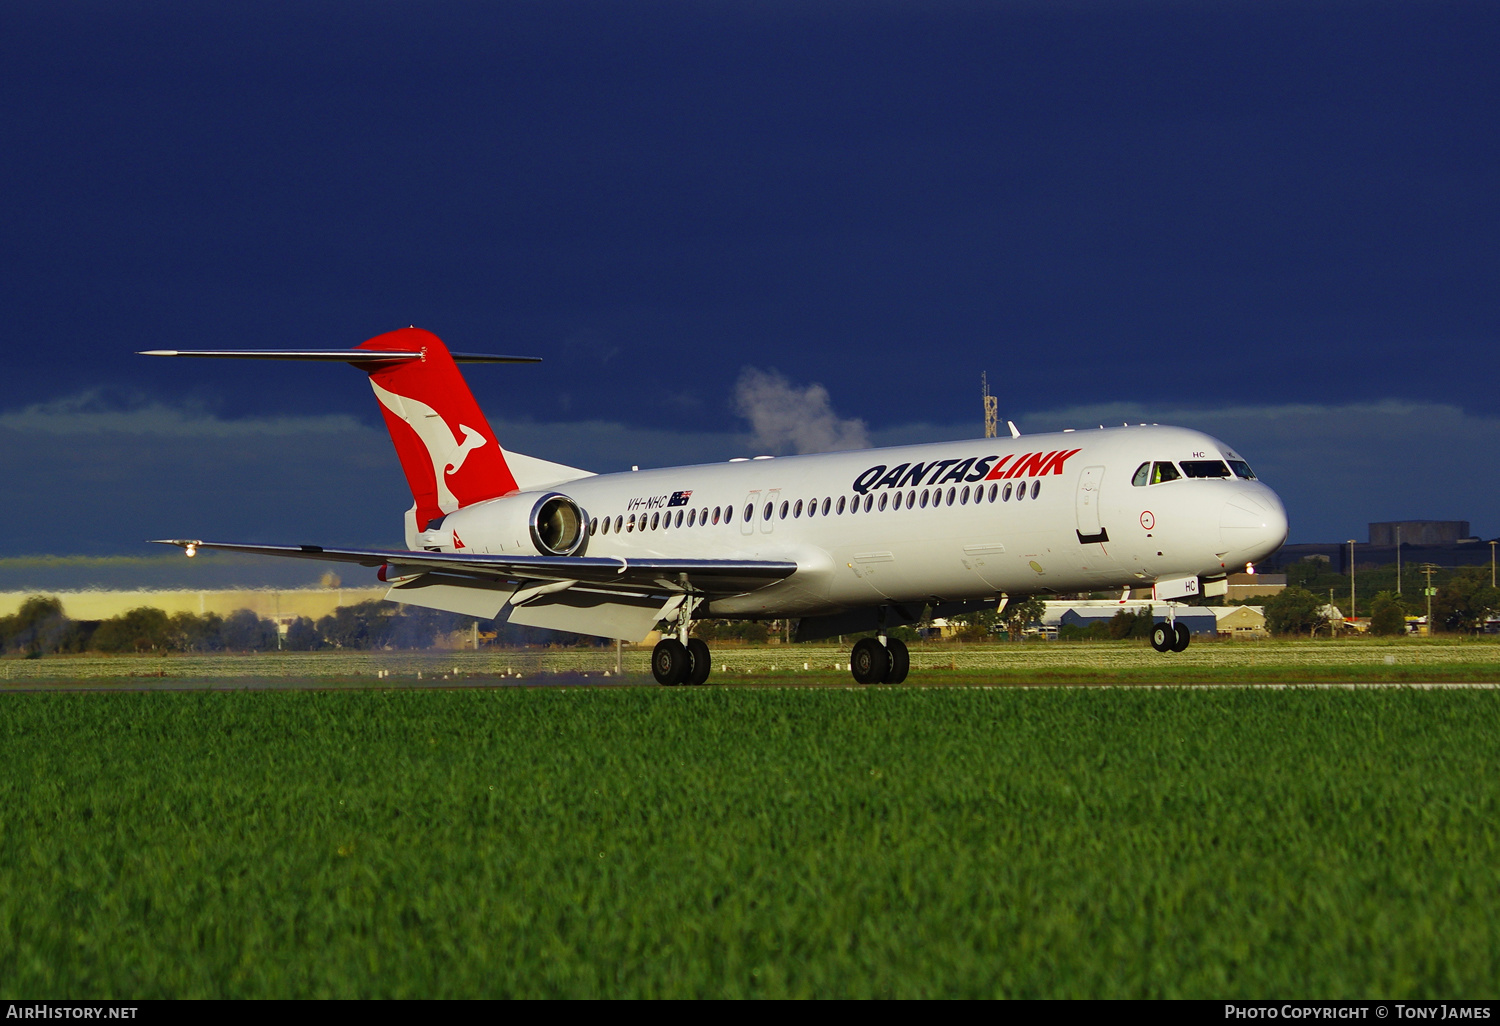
(550, 524)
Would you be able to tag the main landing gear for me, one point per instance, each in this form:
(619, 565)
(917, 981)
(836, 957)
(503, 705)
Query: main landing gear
(681, 660)
(881, 660)
(672, 662)
(1170, 636)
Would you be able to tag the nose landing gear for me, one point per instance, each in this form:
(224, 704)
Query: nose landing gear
(1170, 636)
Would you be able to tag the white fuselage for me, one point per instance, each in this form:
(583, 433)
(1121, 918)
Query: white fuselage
(944, 530)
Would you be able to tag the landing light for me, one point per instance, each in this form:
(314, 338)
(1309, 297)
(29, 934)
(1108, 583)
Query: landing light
(1249, 568)
(191, 550)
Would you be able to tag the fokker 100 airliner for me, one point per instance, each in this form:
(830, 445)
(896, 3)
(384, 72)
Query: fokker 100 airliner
(847, 542)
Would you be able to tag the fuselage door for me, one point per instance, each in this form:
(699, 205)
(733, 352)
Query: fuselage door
(768, 511)
(1088, 502)
(750, 511)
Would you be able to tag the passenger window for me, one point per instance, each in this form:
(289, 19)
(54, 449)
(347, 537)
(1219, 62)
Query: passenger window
(993, 489)
(869, 501)
(1161, 473)
(619, 523)
(1020, 491)
(924, 498)
(827, 503)
(1142, 475)
(630, 524)
(812, 507)
(841, 505)
(655, 518)
(728, 514)
(1036, 488)
(963, 496)
(692, 517)
(784, 507)
(797, 510)
(604, 527)
(766, 513)
(703, 517)
(911, 499)
(679, 519)
(1005, 497)
(882, 502)
(716, 514)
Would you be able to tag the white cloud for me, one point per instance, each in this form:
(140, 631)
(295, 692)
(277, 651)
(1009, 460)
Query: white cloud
(785, 417)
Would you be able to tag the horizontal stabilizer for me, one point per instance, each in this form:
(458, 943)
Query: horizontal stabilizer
(366, 356)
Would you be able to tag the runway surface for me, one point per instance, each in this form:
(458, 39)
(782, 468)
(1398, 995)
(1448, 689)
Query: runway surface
(596, 681)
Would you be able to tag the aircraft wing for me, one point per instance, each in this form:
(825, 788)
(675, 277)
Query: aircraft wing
(602, 573)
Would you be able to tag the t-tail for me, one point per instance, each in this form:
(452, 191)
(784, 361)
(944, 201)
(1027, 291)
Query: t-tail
(447, 449)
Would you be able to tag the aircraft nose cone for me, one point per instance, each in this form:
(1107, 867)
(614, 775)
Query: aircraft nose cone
(1252, 527)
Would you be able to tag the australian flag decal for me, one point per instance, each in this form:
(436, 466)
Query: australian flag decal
(679, 498)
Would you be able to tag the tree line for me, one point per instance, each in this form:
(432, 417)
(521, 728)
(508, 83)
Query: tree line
(1462, 605)
(40, 628)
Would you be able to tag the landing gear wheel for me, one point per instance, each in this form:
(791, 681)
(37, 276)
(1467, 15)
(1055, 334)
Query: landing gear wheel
(869, 661)
(900, 660)
(699, 662)
(669, 662)
(1163, 637)
(1180, 643)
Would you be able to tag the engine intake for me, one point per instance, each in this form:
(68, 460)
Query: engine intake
(558, 526)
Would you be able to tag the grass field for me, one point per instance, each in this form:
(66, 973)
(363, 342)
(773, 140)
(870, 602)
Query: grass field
(1363, 659)
(580, 841)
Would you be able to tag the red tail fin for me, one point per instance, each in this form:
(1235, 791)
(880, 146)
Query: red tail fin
(447, 449)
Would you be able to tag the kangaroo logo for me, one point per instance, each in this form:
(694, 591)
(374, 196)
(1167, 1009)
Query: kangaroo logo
(446, 452)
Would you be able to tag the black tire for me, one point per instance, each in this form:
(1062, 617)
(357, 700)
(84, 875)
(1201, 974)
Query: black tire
(669, 662)
(699, 662)
(869, 661)
(1184, 636)
(1163, 637)
(900, 660)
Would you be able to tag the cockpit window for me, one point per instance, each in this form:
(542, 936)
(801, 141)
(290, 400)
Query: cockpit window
(1142, 475)
(1204, 468)
(1163, 472)
(1242, 470)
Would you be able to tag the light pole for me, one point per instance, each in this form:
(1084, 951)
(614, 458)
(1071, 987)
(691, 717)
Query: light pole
(1351, 579)
(1429, 569)
(1492, 564)
(1398, 558)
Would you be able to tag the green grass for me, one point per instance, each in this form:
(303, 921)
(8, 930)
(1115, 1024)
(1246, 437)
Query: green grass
(751, 842)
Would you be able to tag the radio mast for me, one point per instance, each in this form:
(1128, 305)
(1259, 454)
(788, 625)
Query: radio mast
(991, 408)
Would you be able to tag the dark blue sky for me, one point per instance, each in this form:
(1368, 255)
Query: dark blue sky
(1174, 206)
